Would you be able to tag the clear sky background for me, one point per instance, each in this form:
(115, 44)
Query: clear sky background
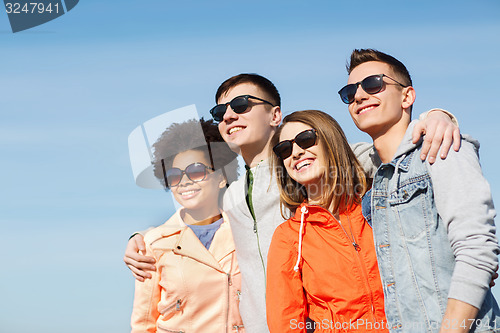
(73, 89)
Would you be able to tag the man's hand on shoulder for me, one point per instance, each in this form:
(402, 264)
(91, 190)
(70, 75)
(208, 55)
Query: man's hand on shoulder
(135, 259)
(440, 130)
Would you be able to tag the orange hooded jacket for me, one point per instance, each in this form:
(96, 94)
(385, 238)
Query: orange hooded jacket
(329, 275)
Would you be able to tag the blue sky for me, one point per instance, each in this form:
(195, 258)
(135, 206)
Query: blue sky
(74, 88)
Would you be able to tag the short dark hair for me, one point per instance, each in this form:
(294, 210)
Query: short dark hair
(261, 82)
(178, 138)
(359, 56)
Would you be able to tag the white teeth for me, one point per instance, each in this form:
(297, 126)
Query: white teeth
(366, 109)
(302, 164)
(235, 129)
(188, 192)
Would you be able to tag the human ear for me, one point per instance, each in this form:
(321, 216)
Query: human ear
(222, 183)
(276, 116)
(409, 97)
(221, 179)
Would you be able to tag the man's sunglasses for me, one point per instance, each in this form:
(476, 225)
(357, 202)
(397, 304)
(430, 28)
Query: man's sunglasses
(304, 140)
(239, 105)
(196, 172)
(371, 84)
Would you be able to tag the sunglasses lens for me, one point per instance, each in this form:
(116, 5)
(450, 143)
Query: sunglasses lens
(283, 149)
(372, 84)
(174, 176)
(306, 139)
(347, 93)
(239, 104)
(196, 172)
(218, 111)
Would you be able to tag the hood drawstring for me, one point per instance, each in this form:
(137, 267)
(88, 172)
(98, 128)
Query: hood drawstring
(304, 211)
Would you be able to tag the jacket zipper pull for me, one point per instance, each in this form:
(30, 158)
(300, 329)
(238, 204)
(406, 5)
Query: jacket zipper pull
(178, 305)
(229, 279)
(356, 246)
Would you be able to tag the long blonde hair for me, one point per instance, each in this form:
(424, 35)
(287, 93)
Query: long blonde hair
(348, 181)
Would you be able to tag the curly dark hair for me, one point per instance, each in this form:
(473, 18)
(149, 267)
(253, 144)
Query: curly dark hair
(178, 138)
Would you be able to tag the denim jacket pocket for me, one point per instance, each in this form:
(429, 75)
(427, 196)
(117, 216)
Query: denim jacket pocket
(408, 190)
(410, 200)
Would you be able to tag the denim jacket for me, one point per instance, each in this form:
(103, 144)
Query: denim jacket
(434, 237)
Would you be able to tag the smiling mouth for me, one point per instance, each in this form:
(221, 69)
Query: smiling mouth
(235, 129)
(366, 109)
(303, 164)
(189, 194)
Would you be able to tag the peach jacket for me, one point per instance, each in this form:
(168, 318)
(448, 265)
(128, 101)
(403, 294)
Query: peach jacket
(193, 289)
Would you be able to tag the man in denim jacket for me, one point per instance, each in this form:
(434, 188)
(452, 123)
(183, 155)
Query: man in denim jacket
(433, 224)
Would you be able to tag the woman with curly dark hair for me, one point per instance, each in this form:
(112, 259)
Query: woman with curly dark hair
(196, 285)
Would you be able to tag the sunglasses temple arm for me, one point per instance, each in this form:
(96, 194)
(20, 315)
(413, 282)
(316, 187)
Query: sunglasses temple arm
(213, 164)
(262, 100)
(164, 174)
(210, 155)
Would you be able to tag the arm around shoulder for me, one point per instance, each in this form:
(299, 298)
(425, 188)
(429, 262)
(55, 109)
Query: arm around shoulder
(367, 156)
(464, 202)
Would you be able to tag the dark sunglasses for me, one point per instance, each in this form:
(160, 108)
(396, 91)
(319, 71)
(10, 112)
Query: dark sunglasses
(239, 105)
(371, 84)
(304, 140)
(196, 172)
